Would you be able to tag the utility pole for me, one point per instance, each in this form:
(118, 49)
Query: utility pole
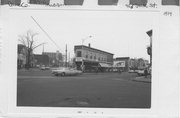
(66, 56)
(43, 49)
(69, 59)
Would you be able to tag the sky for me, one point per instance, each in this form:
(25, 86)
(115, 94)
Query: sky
(122, 33)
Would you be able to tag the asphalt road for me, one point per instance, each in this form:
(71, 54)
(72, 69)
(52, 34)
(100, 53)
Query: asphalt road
(102, 90)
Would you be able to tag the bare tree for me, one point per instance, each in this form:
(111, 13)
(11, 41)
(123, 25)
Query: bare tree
(29, 42)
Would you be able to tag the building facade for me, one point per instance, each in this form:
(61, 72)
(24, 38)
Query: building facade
(91, 59)
(121, 64)
(22, 52)
(55, 58)
(138, 63)
(41, 60)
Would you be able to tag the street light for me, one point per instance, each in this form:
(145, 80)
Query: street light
(82, 66)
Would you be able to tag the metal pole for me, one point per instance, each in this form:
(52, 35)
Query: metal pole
(151, 51)
(66, 56)
(82, 66)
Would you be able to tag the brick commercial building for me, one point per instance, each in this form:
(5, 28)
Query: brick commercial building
(91, 59)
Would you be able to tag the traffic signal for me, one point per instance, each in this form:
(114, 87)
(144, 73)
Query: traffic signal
(149, 51)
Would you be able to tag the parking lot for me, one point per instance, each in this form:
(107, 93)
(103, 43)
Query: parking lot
(100, 90)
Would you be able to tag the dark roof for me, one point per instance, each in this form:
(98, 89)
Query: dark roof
(80, 46)
(119, 58)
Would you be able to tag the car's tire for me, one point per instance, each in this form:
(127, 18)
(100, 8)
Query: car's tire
(63, 74)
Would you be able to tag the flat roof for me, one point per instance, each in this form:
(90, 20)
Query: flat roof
(121, 58)
(80, 47)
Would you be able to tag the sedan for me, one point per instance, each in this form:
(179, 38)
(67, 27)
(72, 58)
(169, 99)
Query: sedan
(66, 71)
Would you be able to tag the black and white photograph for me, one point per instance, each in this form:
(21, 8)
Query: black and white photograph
(89, 58)
(79, 59)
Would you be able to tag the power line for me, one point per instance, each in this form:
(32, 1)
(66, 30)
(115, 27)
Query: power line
(46, 33)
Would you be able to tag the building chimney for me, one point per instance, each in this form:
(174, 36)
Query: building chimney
(89, 45)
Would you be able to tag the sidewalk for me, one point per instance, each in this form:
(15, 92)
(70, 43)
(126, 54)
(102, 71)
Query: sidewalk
(142, 79)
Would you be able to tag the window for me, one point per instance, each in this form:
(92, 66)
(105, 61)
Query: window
(78, 54)
(91, 57)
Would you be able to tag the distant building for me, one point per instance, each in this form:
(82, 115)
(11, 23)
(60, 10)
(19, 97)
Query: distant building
(133, 64)
(41, 60)
(138, 63)
(142, 63)
(22, 51)
(55, 58)
(92, 58)
(22, 60)
(121, 63)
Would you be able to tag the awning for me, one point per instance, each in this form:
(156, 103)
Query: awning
(104, 65)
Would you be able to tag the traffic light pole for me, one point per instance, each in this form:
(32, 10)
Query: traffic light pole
(151, 51)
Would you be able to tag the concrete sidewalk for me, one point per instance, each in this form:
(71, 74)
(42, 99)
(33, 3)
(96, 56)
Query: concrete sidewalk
(143, 79)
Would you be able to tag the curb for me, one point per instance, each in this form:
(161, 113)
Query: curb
(142, 79)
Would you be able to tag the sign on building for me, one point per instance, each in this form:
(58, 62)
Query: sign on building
(119, 64)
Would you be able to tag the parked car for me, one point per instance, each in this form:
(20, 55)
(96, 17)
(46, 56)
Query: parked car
(142, 72)
(65, 71)
(43, 67)
(131, 71)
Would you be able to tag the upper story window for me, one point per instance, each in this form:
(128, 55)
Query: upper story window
(91, 57)
(79, 54)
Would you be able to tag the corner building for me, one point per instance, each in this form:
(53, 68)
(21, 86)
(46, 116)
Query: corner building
(92, 59)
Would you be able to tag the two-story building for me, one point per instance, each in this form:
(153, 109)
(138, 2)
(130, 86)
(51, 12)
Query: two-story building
(91, 59)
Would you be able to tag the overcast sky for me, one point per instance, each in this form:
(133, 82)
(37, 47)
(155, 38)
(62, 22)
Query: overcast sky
(122, 33)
